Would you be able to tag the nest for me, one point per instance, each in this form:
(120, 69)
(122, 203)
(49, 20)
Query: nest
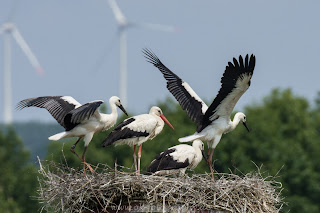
(63, 189)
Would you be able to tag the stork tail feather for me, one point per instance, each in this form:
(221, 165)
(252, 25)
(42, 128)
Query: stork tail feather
(190, 138)
(58, 136)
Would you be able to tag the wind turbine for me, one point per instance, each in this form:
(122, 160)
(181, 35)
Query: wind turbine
(123, 25)
(7, 30)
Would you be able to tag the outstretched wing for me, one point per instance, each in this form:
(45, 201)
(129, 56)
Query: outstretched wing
(234, 83)
(57, 106)
(183, 93)
(65, 109)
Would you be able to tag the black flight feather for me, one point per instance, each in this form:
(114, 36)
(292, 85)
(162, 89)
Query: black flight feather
(122, 134)
(55, 105)
(175, 85)
(228, 82)
(65, 113)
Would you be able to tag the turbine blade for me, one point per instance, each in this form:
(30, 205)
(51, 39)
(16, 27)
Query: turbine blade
(158, 27)
(106, 51)
(14, 7)
(26, 49)
(119, 16)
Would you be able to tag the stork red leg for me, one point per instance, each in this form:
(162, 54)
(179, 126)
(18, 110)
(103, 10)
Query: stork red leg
(85, 163)
(135, 157)
(139, 157)
(210, 162)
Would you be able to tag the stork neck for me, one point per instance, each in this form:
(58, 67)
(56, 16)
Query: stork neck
(113, 109)
(198, 157)
(235, 122)
(198, 151)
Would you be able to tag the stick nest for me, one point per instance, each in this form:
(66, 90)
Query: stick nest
(64, 189)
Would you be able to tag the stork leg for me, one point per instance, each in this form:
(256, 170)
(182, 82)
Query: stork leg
(210, 152)
(83, 159)
(139, 157)
(135, 157)
(83, 156)
(74, 146)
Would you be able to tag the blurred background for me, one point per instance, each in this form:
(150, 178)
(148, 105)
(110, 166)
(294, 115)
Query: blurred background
(73, 48)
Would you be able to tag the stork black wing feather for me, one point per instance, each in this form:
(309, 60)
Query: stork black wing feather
(124, 123)
(122, 134)
(228, 83)
(55, 105)
(178, 89)
(164, 161)
(84, 112)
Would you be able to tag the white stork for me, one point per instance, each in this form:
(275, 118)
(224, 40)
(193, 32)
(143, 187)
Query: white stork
(178, 159)
(136, 130)
(81, 121)
(212, 121)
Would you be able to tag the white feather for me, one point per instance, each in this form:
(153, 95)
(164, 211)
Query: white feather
(191, 138)
(71, 100)
(194, 94)
(58, 136)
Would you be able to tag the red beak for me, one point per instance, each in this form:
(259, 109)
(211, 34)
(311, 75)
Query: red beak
(166, 120)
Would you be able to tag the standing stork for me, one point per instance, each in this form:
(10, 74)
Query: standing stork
(178, 159)
(136, 130)
(212, 121)
(81, 121)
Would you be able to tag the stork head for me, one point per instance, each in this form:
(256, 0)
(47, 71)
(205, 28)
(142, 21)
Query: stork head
(158, 112)
(242, 118)
(116, 100)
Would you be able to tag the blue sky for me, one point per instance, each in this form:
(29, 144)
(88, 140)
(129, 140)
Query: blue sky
(69, 38)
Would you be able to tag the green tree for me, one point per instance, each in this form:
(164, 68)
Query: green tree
(18, 181)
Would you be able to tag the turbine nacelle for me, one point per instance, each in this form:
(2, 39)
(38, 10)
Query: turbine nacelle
(7, 27)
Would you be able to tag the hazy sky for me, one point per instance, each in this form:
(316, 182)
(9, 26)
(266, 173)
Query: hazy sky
(70, 38)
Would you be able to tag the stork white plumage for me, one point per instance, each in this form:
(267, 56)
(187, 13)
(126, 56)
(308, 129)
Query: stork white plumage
(81, 121)
(9, 29)
(123, 25)
(178, 159)
(136, 130)
(212, 121)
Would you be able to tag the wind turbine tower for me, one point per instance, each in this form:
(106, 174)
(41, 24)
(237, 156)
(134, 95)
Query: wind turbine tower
(123, 25)
(7, 30)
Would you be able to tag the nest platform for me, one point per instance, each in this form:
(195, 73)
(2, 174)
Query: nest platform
(64, 189)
